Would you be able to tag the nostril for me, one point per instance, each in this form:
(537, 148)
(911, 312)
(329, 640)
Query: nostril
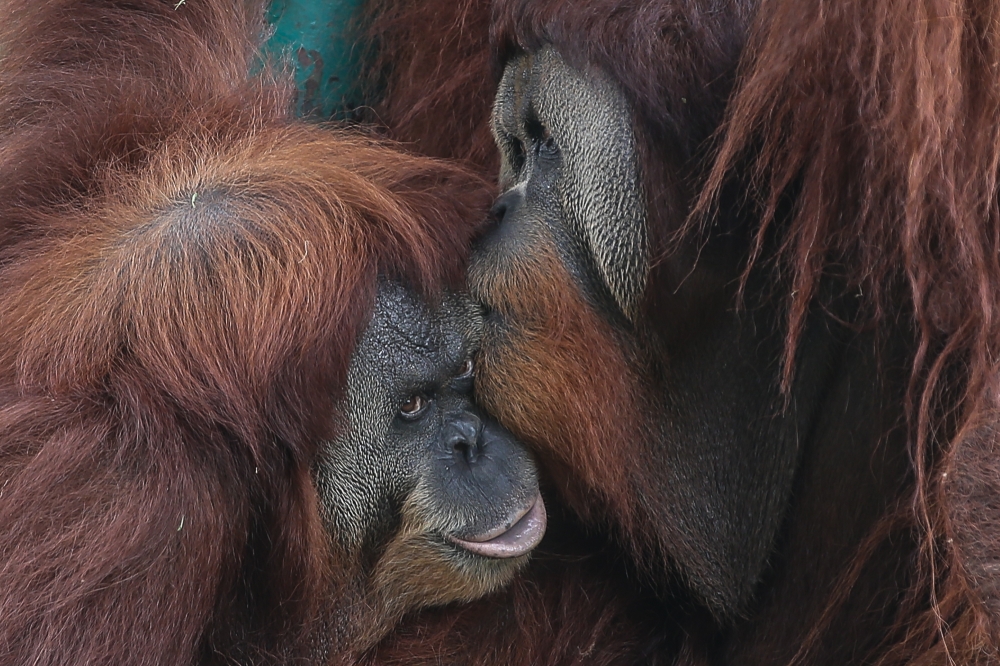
(468, 451)
(499, 210)
(463, 437)
(507, 203)
(496, 231)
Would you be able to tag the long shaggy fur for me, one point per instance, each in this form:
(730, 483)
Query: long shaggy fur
(184, 269)
(882, 116)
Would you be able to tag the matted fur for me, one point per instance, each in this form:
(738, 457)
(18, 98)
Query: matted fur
(184, 270)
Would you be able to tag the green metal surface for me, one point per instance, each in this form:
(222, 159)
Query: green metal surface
(319, 39)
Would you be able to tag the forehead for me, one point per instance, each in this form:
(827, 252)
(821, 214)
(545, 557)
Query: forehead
(544, 83)
(405, 331)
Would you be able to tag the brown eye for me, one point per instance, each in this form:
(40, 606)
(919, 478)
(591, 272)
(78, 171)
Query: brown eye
(414, 406)
(467, 369)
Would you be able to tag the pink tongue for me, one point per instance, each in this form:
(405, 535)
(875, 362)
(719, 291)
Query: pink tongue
(518, 540)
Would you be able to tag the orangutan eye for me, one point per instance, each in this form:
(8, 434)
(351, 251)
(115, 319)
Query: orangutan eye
(414, 406)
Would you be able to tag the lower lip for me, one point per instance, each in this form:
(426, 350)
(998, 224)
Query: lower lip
(520, 539)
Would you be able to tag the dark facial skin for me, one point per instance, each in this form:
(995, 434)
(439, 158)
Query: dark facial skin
(569, 168)
(423, 483)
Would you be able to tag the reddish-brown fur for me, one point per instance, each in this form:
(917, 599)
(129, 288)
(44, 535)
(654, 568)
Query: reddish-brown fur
(886, 112)
(569, 611)
(435, 91)
(184, 269)
(554, 323)
(880, 118)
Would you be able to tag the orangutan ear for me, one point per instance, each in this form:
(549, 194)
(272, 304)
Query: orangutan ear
(544, 104)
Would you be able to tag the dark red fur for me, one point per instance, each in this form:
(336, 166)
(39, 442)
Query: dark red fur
(574, 608)
(885, 115)
(435, 91)
(184, 269)
(877, 121)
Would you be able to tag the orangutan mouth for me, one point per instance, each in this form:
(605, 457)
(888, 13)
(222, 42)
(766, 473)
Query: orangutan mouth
(518, 539)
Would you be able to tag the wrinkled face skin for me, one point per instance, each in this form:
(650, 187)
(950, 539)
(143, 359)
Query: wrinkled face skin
(667, 438)
(425, 493)
(569, 172)
(550, 365)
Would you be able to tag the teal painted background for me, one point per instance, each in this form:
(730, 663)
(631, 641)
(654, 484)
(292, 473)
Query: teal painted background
(318, 38)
